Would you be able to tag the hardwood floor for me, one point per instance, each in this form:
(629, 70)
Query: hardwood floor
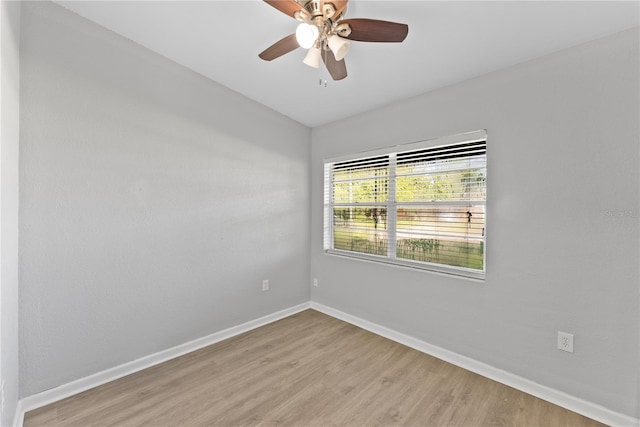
(306, 370)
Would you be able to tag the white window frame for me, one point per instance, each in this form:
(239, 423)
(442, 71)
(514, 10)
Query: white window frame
(391, 205)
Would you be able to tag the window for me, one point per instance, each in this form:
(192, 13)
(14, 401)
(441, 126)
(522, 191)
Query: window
(419, 205)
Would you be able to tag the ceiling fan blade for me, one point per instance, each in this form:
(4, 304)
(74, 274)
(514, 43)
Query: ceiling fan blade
(288, 7)
(337, 69)
(373, 30)
(279, 48)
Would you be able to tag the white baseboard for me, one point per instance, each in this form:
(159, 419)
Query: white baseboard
(572, 403)
(559, 398)
(18, 417)
(66, 390)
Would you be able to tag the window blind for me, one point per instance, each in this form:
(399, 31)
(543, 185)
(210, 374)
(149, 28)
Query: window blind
(360, 193)
(421, 207)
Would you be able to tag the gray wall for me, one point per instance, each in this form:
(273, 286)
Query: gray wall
(10, 96)
(153, 202)
(563, 209)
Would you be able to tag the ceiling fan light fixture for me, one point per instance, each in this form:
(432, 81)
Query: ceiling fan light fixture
(322, 28)
(313, 57)
(338, 46)
(306, 35)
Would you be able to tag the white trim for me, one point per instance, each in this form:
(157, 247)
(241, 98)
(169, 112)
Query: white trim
(38, 400)
(459, 272)
(18, 418)
(556, 397)
(572, 403)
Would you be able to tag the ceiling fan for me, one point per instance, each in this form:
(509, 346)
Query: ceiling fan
(327, 35)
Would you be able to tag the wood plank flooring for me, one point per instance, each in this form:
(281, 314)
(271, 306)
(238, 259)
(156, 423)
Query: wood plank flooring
(308, 369)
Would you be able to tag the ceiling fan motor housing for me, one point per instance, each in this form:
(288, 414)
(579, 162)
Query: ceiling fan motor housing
(322, 15)
(318, 8)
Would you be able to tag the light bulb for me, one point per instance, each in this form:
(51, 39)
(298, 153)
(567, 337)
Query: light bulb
(306, 35)
(339, 46)
(313, 57)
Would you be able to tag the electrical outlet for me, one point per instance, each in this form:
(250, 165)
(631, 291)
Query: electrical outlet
(265, 285)
(565, 341)
(315, 282)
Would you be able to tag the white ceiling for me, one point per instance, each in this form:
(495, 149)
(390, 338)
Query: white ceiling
(448, 41)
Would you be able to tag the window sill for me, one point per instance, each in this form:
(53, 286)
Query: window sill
(463, 273)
